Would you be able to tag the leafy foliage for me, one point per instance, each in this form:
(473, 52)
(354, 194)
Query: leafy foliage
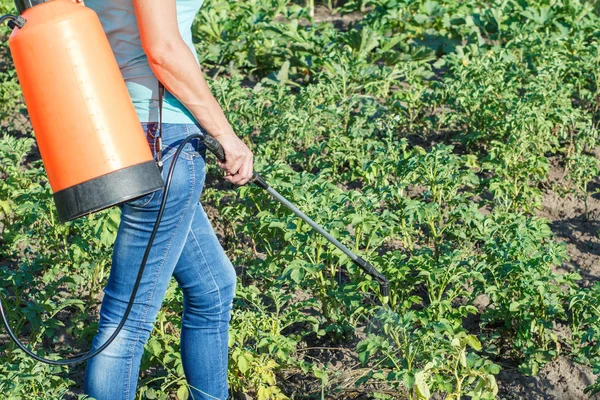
(420, 134)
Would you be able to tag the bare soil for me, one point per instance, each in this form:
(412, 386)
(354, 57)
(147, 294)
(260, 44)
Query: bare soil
(581, 235)
(341, 22)
(562, 379)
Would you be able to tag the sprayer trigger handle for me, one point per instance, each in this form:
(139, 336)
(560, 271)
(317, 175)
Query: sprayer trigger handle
(215, 147)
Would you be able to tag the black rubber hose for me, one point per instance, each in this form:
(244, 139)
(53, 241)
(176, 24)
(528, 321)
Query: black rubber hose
(87, 356)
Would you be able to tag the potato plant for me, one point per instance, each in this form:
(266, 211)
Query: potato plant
(421, 134)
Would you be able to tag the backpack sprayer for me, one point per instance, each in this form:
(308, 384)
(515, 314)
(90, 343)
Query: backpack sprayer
(92, 145)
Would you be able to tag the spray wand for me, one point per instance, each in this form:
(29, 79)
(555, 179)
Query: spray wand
(384, 285)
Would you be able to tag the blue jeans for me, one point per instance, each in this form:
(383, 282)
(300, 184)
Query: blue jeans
(185, 247)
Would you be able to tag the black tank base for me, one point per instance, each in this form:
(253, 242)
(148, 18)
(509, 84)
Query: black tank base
(108, 190)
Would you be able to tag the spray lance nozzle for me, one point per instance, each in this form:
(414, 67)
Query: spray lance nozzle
(384, 284)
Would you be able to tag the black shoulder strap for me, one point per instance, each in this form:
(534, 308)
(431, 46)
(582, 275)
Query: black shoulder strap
(161, 96)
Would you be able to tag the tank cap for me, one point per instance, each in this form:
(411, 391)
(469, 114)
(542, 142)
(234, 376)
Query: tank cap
(23, 5)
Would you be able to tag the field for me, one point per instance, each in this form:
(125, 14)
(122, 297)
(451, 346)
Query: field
(453, 144)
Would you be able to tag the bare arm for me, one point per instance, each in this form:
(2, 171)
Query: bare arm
(175, 66)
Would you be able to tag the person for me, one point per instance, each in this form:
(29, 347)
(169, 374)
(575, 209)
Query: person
(152, 42)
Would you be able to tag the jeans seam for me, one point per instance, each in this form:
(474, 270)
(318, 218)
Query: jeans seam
(218, 293)
(129, 368)
(162, 262)
(195, 150)
(173, 149)
(206, 394)
(146, 202)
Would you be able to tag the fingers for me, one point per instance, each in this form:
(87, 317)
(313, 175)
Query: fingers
(243, 173)
(238, 163)
(233, 164)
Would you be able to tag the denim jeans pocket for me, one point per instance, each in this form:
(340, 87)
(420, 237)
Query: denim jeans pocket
(188, 152)
(173, 136)
(143, 201)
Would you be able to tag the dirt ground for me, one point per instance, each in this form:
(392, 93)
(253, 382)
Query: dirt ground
(568, 222)
(341, 22)
(563, 379)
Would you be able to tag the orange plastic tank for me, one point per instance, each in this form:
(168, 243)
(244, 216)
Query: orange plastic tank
(91, 141)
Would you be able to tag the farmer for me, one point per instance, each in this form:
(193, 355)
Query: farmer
(152, 42)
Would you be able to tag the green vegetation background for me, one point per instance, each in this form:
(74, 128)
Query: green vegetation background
(421, 133)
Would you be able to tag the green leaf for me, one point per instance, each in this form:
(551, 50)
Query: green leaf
(463, 358)
(244, 362)
(283, 75)
(5, 207)
(183, 392)
(473, 342)
(421, 386)
(322, 375)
